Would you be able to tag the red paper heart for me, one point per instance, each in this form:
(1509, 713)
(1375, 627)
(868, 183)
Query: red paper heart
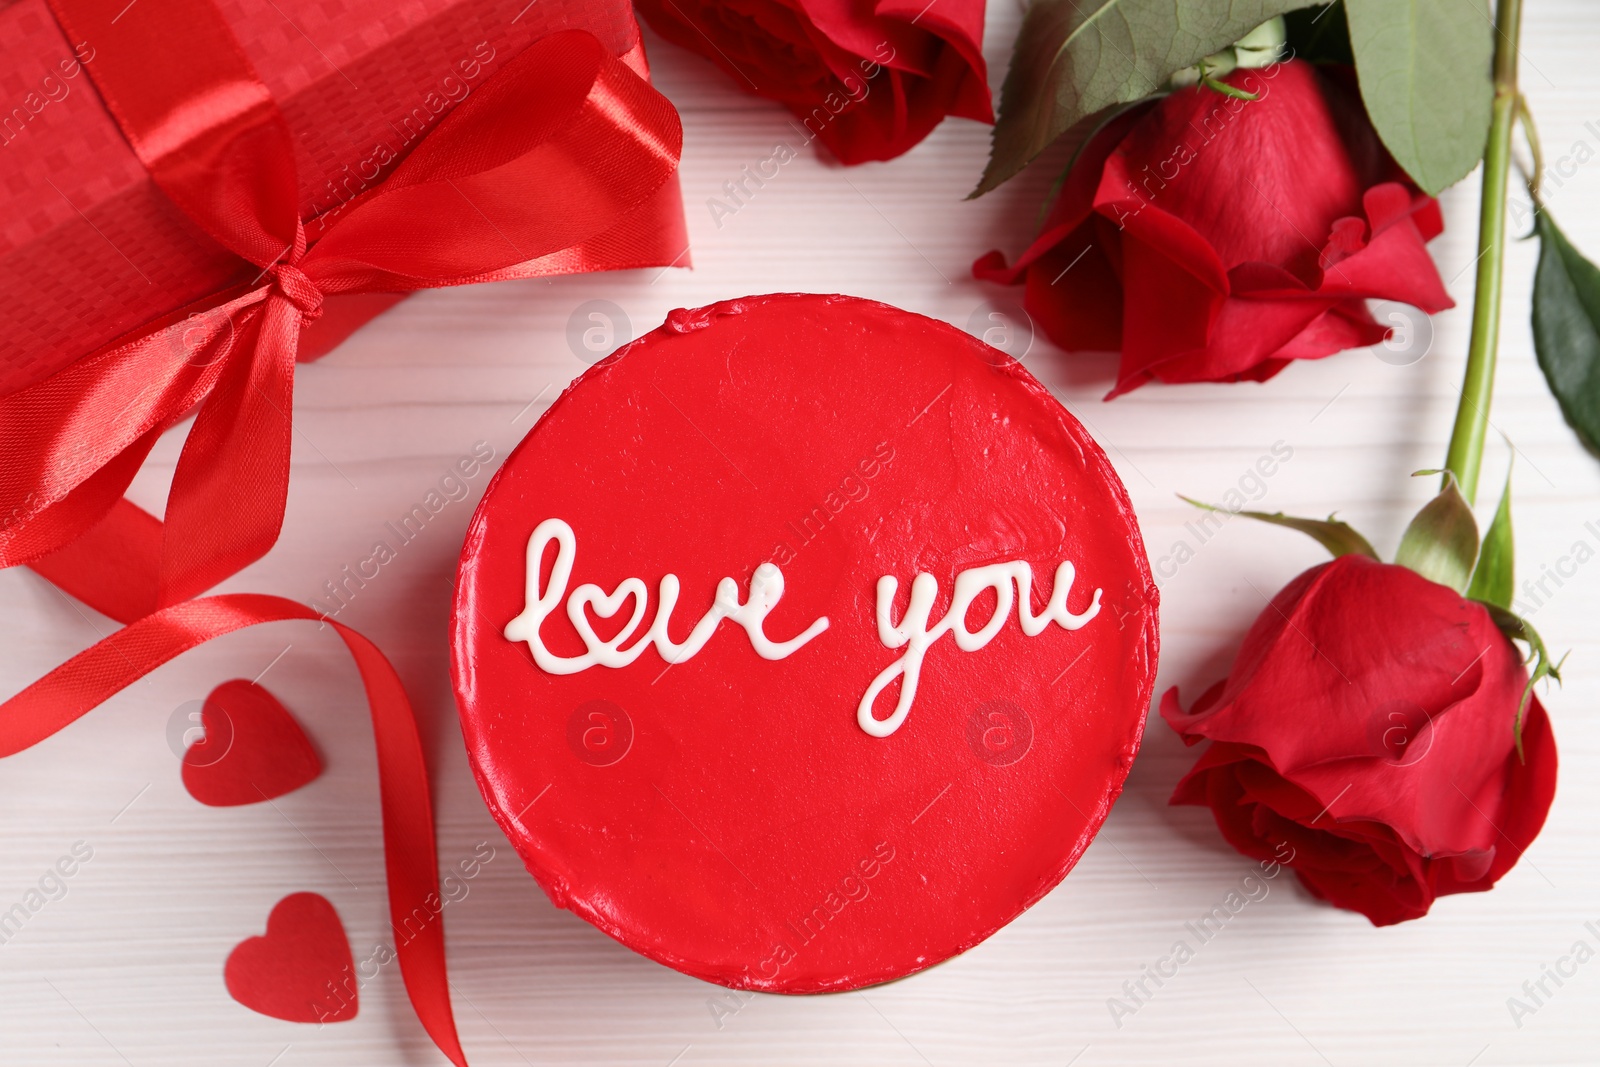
(253, 749)
(301, 970)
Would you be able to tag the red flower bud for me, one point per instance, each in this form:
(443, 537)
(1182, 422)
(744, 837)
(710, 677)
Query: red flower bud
(1365, 738)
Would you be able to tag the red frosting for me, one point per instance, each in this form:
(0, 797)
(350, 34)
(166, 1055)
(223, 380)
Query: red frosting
(727, 814)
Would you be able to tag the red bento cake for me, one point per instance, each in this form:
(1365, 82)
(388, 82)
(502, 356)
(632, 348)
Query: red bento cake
(803, 643)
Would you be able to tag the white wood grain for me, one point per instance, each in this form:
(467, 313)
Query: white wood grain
(126, 968)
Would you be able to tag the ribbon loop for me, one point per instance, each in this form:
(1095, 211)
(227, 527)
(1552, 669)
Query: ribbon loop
(537, 167)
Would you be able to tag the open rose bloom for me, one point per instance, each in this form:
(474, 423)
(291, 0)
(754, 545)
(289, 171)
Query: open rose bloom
(869, 80)
(1368, 724)
(1210, 238)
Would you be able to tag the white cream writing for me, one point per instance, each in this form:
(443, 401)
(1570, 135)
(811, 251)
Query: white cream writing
(1012, 583)
(766, 588)
(914, 636)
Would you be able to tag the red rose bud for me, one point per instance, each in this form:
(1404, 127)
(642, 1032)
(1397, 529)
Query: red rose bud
(1365, 738)
(868, 81)
(1212, 238)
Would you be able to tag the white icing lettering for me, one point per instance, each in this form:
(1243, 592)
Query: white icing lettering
(913, 634)
(766, 589)
(1011, 582)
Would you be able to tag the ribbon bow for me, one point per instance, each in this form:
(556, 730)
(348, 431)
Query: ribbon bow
(540, 163)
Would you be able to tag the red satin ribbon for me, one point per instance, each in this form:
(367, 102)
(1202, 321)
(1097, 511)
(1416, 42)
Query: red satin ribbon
(91, 677)
(539, 163)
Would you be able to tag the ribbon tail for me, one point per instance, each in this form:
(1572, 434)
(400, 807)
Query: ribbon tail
(94, 675)
(226, 503)
(409, 852)
(114, 567)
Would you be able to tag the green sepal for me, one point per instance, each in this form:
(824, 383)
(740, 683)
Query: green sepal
(1441, 544)
(1227, 90)
(1516, 628)
(1494, 578)
(1339, 538)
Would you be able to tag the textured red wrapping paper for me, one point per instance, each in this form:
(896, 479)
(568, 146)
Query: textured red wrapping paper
(90, 248)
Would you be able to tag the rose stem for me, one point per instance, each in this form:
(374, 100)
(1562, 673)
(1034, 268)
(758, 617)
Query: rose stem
(1472, 416)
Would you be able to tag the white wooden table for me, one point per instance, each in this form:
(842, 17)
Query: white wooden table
(126, 968)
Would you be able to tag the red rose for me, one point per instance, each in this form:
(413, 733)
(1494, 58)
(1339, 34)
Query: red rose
(868, 79)
(1367, 724)
(1211, 238)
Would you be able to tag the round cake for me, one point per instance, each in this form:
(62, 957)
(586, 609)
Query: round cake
(803, 643)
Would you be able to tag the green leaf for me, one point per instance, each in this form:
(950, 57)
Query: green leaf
(1425, 73)
(1074, 59)
(1442, 541)
(1493, 580)
(1566, 328)
(1516, 628)
(1337, 537)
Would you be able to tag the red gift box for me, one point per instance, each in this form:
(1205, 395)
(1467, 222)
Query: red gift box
(202, 194)
(91, 248)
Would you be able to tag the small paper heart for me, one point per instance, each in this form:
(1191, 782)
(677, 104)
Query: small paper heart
(253, 749)
(301, 969)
